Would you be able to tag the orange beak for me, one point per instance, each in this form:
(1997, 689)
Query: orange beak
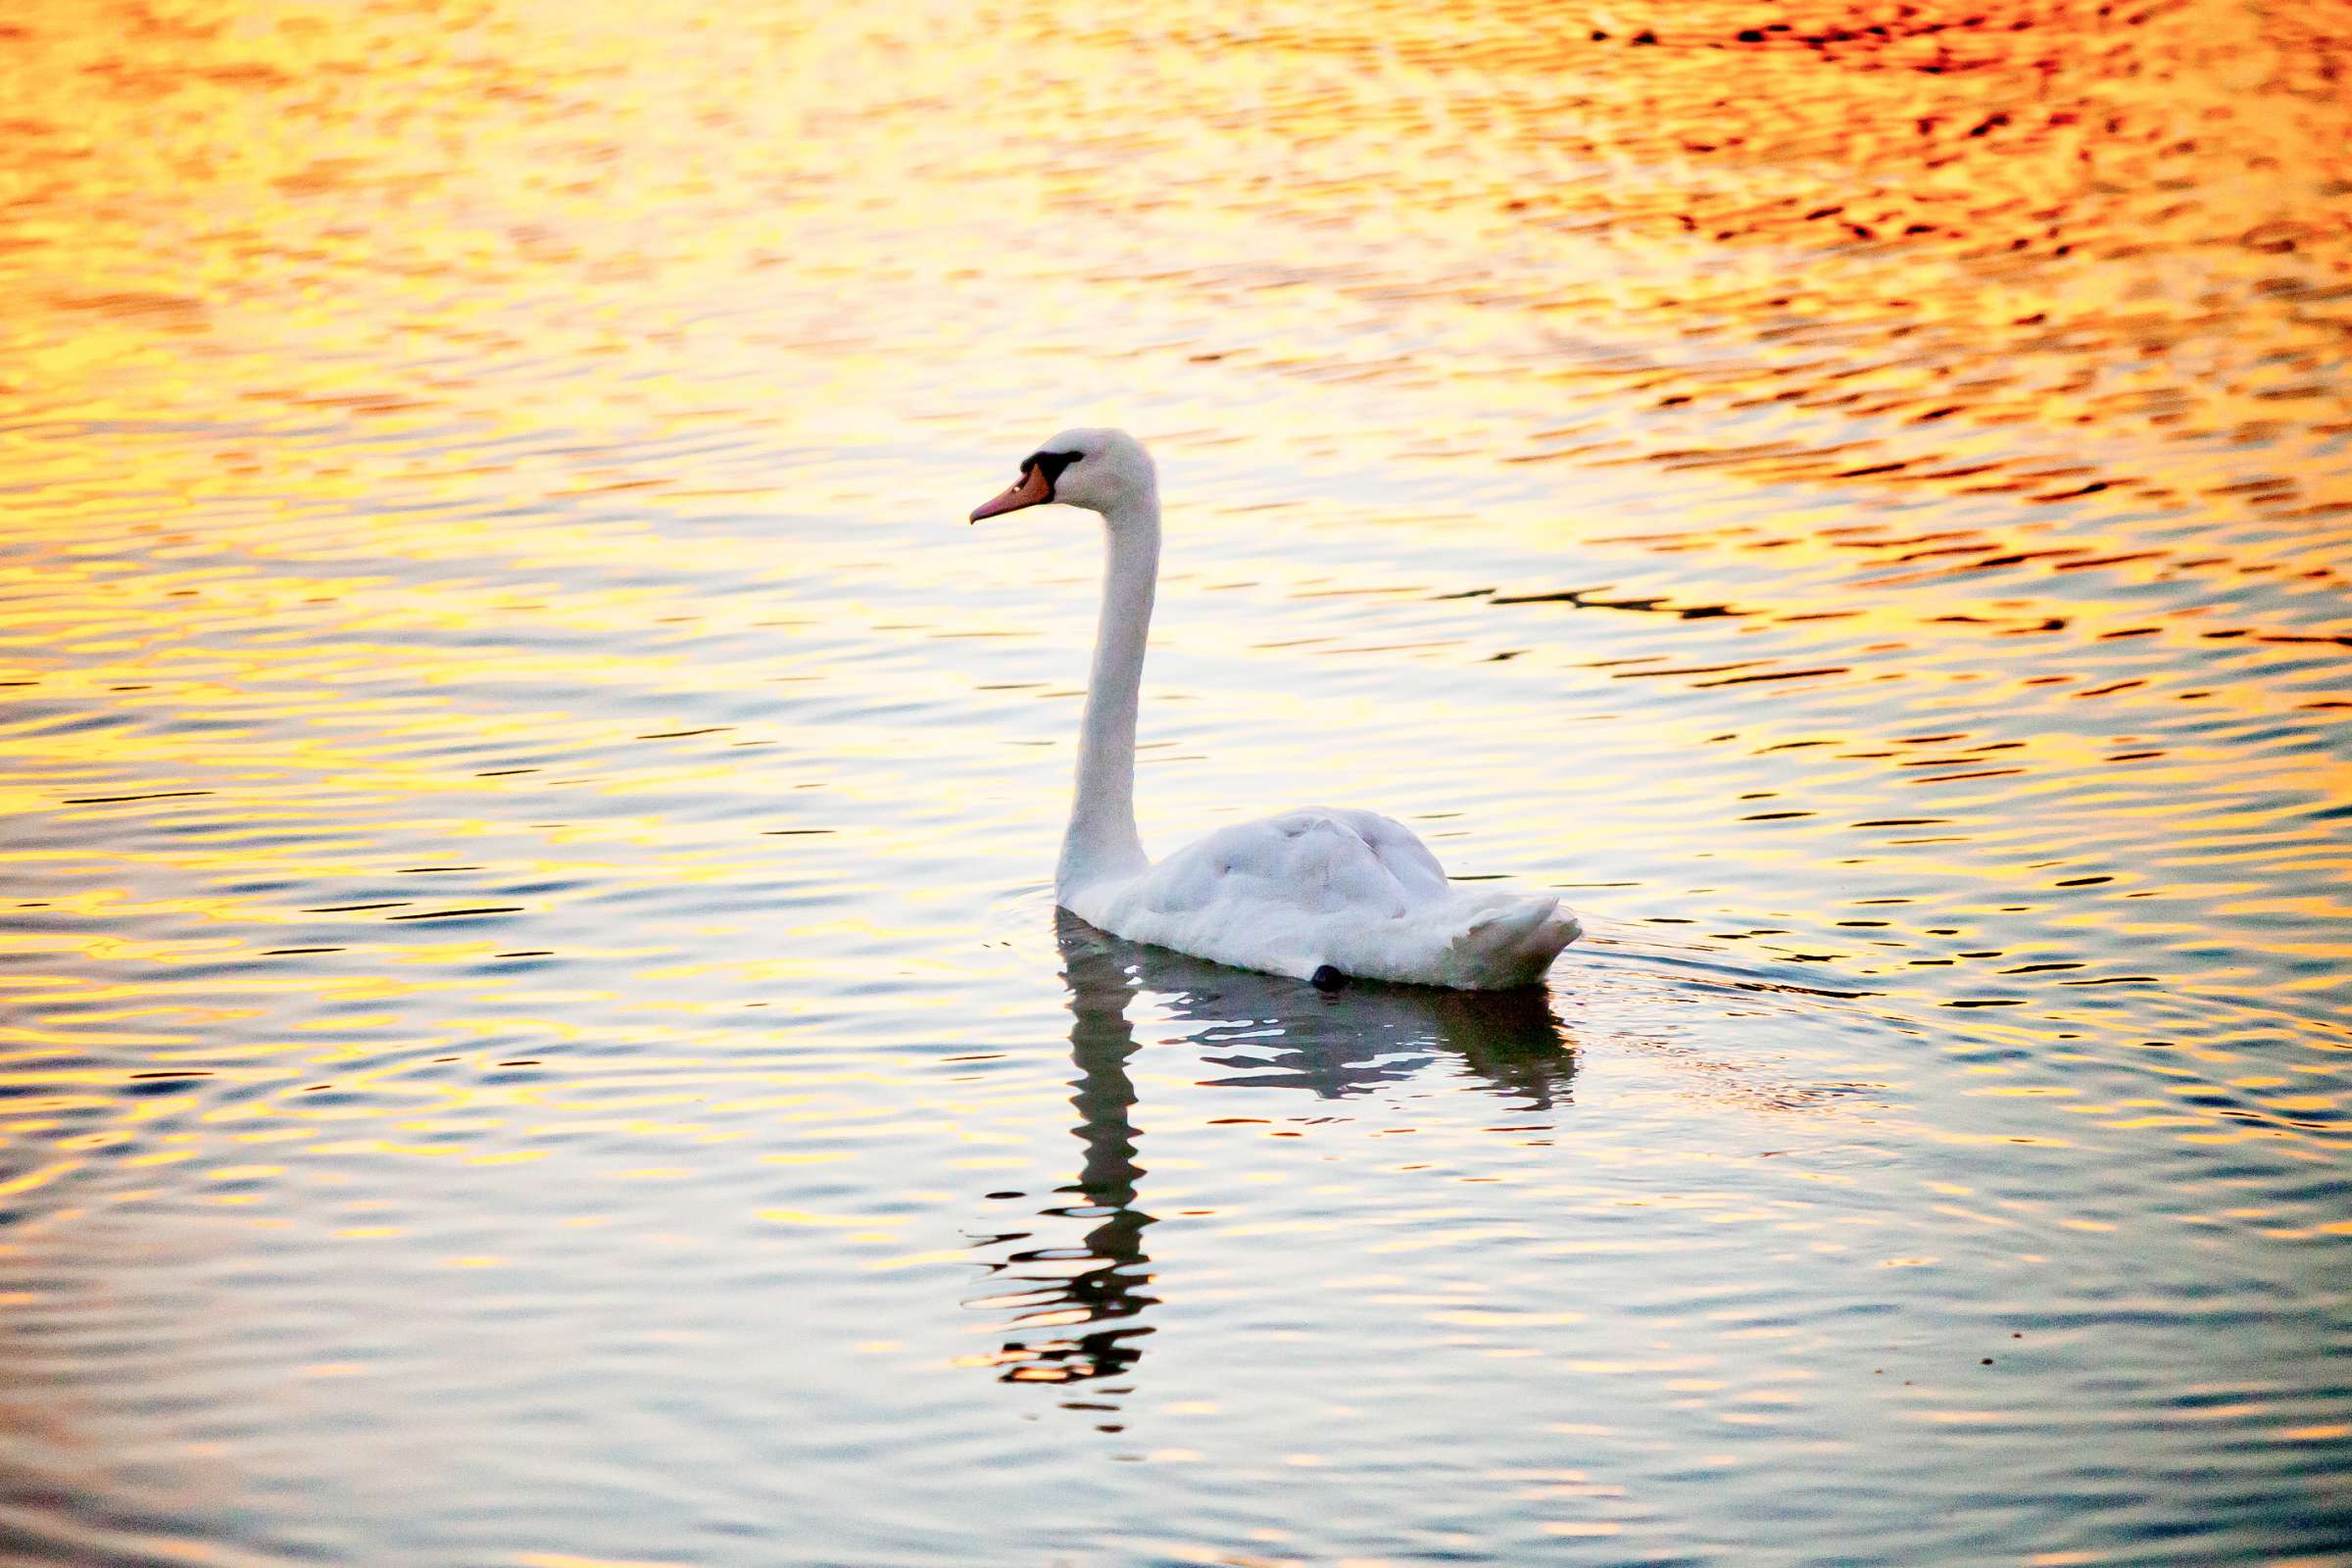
(1032, 489)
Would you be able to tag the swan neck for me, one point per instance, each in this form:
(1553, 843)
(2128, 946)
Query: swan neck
(1101, 840)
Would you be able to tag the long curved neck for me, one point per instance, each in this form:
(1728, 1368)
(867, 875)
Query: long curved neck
(1101, 840)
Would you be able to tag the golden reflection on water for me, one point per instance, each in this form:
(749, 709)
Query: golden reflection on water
(521, 813)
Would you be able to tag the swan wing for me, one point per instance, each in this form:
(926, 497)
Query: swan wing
(1314, 862)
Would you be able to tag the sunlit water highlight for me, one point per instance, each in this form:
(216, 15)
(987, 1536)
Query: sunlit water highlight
(535, 1030)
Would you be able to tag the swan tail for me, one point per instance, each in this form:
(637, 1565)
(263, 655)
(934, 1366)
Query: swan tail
(1511, 946)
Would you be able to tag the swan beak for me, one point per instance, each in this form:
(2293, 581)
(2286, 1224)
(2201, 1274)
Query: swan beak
(1032, 489)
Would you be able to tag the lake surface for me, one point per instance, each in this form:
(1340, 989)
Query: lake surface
(535, 1028)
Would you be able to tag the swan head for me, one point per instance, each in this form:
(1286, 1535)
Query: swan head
(1102, 470)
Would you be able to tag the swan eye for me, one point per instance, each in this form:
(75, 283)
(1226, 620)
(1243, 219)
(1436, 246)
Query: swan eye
(1050, 463)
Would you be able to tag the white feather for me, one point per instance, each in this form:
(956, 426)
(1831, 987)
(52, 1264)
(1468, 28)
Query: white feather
(1348, 889)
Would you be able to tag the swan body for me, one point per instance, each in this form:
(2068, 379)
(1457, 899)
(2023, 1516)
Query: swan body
(1303, 894)
(1351, 890)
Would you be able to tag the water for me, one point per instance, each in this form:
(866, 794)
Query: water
(536, 1032)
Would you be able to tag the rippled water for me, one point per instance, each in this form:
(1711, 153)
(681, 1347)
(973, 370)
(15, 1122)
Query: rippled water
(535, 1029)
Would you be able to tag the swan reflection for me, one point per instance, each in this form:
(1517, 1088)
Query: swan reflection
(1073, 1309)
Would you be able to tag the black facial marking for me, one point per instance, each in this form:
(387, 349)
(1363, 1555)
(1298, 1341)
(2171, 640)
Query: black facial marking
(1327, 979)
(1051, 465)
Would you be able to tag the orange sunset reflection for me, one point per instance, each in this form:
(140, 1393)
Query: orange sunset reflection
(532, 1023)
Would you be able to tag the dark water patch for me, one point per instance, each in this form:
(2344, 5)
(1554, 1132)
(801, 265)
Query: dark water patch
(458, 914)
(153, 795)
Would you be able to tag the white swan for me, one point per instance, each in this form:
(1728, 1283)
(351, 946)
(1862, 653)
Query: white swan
(1316, 894)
